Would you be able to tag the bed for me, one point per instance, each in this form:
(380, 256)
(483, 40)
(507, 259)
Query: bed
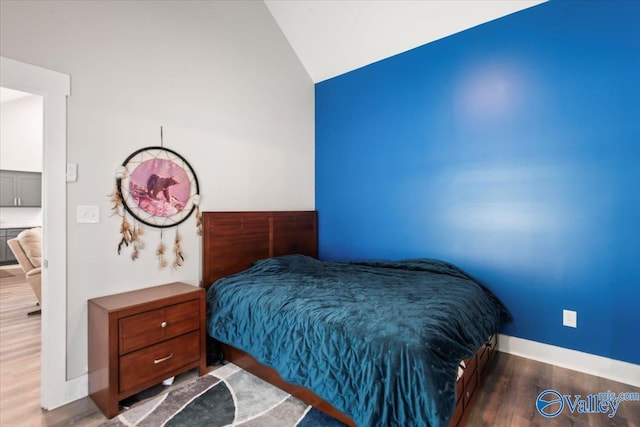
(349, 338)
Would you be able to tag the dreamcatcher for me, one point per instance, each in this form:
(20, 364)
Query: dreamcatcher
(157, 187)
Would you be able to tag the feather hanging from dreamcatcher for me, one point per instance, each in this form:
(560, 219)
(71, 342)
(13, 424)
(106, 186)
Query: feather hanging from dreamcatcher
(177, 251)
(118, 210)
(162, 262)
(196, 203)
(116, 196)
(129, 234)
(136, 241)
(126, 233)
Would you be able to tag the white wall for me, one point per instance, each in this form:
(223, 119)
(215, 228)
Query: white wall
(219, 76)
(21, 149)
(21, 134)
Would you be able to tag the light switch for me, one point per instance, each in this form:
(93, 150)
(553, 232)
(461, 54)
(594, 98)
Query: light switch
(88, 214)
(72, 172)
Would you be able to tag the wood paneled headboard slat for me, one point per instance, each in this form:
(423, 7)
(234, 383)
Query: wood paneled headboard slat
(231, 241)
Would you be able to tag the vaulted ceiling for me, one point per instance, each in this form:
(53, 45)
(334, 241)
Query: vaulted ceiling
(332, 37)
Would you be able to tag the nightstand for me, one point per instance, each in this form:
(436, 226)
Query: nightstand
(138, 339)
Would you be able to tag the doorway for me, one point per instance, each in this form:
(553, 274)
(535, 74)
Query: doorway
(54, 87)
(21, 152)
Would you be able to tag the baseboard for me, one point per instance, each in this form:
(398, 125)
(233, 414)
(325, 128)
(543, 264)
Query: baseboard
(616, 370)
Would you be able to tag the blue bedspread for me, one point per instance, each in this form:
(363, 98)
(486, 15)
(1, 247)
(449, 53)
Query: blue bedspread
(380, 341)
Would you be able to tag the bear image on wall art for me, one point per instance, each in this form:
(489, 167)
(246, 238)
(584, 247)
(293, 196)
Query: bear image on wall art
(157, 187)
(160, 187)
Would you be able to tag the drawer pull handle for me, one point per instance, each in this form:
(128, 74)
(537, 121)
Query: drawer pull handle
(155, 362)
(163, 324)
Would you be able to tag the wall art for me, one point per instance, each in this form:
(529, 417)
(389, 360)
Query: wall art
(155, 186)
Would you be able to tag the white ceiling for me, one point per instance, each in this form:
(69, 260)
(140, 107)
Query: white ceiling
(332, 37)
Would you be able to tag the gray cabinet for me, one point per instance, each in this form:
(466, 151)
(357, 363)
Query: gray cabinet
(7, 189)
(6, 234)
(4, 249)
(20, 189)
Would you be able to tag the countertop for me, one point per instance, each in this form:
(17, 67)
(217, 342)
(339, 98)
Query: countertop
(10, 225)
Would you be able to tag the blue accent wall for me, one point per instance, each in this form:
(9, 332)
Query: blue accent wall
(512, 150)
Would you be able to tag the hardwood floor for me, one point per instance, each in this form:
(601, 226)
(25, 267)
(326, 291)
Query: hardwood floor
(19, 350)
(507, 398)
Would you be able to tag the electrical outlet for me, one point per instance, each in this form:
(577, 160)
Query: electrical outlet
(570, 318)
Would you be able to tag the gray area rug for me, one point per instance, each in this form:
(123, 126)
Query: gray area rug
(228, 396)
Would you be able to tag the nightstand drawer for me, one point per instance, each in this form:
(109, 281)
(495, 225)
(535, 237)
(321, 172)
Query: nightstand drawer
(155, 361)
(153, 326)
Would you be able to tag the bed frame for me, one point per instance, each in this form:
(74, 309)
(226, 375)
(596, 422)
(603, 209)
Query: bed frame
(233, 240)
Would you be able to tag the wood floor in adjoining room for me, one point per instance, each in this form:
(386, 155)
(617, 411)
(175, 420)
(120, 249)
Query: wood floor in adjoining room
(19, 350)
(506, 398)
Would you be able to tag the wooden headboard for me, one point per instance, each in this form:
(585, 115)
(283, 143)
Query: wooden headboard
(231, 241)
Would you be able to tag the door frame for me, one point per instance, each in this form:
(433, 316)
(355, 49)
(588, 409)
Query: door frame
(54, 87)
